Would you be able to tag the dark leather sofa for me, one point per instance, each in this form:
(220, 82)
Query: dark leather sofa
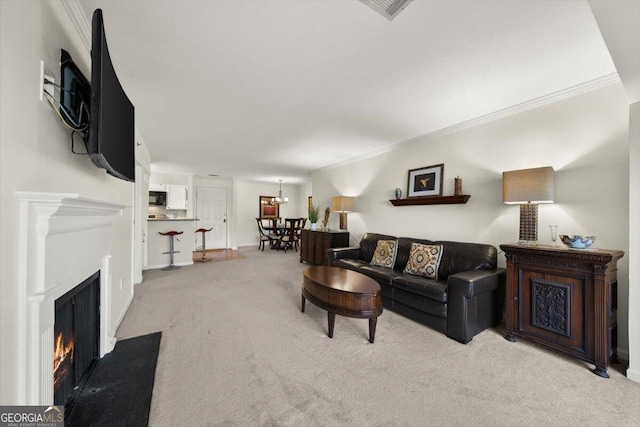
(467, 298)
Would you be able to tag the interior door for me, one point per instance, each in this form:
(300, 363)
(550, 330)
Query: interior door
(211, 210)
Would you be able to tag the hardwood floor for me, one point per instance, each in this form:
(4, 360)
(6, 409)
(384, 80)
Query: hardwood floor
(219, 255)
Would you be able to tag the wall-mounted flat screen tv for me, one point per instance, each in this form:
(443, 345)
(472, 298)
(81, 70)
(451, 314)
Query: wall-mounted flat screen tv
(111, 142)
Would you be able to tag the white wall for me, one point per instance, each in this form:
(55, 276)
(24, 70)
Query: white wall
(634, 245)
(168, 178)
(36, 156)
(620, 28)
(584, 138)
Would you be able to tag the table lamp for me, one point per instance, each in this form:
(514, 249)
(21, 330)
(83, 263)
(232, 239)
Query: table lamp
(342, 205)
(528, 188)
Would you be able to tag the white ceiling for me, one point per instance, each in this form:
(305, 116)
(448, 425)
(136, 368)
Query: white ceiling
(274, 89)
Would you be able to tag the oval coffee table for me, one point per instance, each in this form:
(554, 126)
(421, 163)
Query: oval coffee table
(344, 292)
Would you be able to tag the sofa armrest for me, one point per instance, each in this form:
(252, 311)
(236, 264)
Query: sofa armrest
(475, 282)
(352, 252)
(475, 302)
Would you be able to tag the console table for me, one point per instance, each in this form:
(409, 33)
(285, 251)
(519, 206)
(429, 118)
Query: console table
(565, 299)
(314, 245)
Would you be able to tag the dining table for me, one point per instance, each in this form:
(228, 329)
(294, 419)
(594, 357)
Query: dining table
(278, 229)
(275, 229)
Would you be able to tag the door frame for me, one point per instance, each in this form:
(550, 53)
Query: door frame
(140, 212)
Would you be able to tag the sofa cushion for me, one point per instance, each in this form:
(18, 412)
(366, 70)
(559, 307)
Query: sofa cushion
(424, 260)
(385, 253)
(404, 247)
(368, 244)
(351, 264)
(458, 256)
(427, 305)
(382, 275)
(422, 286)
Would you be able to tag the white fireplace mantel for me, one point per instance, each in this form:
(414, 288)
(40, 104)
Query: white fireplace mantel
(64, 239)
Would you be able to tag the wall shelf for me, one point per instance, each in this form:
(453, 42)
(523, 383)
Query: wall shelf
(431, 200)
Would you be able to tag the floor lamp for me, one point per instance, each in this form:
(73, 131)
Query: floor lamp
(528, 188)
(343, 205)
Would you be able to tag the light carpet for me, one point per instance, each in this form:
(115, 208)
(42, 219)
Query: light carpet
(237, 351)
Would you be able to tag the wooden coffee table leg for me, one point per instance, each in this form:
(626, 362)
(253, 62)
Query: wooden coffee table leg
(303, 300)
(372, 328)
(332, 320)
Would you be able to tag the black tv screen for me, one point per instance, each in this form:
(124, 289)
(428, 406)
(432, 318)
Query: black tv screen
(111, 143)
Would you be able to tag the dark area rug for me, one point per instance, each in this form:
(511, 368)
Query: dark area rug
(118, 390)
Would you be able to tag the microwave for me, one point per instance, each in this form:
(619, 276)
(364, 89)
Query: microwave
(157, 198)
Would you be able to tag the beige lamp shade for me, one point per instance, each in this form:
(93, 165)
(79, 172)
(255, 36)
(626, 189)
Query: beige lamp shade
(528, 186)
(342, 204)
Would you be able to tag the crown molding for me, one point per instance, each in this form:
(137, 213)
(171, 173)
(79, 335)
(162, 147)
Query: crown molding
(569, 92)
(79, 19)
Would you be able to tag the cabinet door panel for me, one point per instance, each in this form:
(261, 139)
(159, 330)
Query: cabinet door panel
(176, 197)
(315, 244)
(304, 245)
(318, 247)
(552, 308)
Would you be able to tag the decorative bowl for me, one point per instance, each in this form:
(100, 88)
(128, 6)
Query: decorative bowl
(577, 242)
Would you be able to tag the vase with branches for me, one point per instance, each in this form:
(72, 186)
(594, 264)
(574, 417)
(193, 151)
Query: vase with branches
(314, 216)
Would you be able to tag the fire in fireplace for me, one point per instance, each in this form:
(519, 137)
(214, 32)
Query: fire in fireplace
(62, 359)
(77, 333)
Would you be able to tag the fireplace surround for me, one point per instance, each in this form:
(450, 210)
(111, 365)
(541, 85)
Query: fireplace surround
(64, 238)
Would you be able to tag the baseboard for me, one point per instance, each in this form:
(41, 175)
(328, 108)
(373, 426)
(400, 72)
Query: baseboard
(120, 318)
(137, 279)
(633, 374)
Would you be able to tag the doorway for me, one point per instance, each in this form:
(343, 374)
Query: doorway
(211, 211)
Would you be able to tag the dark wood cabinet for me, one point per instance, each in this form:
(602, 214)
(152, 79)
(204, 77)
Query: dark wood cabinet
(565, 299)
(314, 245)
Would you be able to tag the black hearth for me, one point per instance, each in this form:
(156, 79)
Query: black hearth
(76, 337)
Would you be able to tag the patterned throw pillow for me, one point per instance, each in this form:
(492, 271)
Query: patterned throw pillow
(424, 260)
(385, 254)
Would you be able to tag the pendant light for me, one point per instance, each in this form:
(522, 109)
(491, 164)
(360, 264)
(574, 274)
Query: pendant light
(280, 200)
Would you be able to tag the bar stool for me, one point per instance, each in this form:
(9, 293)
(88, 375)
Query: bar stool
(203, 258)
(171, 235)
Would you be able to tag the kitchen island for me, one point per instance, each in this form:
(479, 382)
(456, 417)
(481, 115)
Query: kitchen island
(157, 244)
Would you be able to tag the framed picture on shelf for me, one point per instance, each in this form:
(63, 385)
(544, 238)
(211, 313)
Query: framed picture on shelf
(268, 207)
(426, 181)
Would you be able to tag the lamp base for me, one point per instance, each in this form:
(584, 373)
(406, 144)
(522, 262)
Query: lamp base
(528, 224)
(343, 220)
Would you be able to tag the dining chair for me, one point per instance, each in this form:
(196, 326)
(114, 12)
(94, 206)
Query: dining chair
(290, 237)
(265, 236)
(303, 222)
(273, 223)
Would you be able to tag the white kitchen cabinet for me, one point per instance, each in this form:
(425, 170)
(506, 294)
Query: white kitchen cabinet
(157, 187)
(176, 196)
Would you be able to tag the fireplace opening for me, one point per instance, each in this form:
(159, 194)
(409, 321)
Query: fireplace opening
(76, 337)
